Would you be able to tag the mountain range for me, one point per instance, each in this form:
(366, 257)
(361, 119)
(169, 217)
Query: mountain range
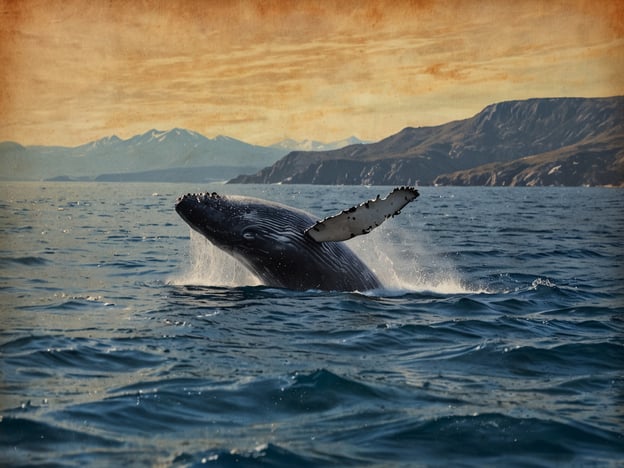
(546, 141)
(558, 141)
(152, 153)
(175, 155)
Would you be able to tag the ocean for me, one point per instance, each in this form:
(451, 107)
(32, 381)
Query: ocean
(498, 338)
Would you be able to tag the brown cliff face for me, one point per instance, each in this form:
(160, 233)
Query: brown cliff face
(582, 133)
(593, 163)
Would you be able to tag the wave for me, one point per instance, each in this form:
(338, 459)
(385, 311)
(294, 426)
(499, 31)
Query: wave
(64, 302)
(25, 442)
(169, 405)
(79, 356)
(27, 261)
(459, 438)
(269, 455)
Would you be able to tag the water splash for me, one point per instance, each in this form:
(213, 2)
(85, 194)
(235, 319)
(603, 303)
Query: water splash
(541, 282)
(401, 266)
(406, 266)
(211, 266)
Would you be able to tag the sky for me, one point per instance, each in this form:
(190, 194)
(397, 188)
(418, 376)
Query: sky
(74, 71)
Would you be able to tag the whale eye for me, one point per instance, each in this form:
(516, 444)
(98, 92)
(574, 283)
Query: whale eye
(249, 234)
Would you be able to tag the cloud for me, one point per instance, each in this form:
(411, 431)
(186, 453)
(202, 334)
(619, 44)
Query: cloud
(77, 70)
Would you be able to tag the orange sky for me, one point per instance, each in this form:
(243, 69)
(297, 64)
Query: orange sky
(77, 70)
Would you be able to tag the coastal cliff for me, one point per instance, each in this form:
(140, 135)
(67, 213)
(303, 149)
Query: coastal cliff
(558, 141)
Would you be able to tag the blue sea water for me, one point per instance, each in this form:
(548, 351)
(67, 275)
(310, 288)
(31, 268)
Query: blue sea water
(498, 338)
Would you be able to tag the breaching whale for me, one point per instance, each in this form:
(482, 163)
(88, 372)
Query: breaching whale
(287, 247)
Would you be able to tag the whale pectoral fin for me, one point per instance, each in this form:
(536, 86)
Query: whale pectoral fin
(363, 218)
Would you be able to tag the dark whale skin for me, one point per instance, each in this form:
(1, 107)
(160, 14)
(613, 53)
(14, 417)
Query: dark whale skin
(270, 240)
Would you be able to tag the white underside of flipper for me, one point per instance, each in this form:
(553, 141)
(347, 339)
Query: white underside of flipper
(363, 218)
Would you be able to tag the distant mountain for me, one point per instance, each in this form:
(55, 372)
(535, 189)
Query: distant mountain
(154, 150)
(313, 145)
(593, 162)
(500, 133)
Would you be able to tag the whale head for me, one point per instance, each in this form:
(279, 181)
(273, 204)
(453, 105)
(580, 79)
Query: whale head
(235, 221)
(260, 234)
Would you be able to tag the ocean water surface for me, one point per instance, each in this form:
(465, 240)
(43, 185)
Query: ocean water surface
(497, 339)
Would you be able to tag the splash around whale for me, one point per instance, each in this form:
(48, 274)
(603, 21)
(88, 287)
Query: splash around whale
(289, 248)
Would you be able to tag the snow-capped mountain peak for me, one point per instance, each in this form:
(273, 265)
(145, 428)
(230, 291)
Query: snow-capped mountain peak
(314, 145)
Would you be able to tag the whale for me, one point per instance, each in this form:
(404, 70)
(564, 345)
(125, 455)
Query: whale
(286, 247)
